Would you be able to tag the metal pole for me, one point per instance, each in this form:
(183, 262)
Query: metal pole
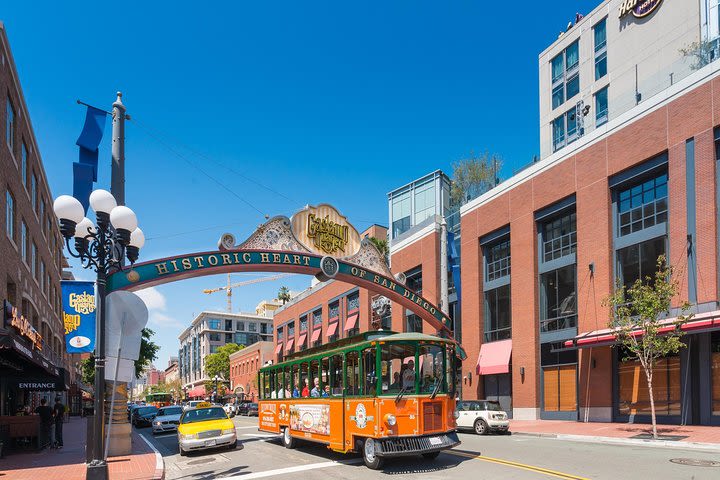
(97, 468)
(117, 181)
(444, 303)
(112, 402)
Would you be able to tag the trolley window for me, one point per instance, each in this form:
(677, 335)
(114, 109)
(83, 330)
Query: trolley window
(398, 368)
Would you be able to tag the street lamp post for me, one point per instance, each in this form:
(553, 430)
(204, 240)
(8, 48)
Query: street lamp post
(217, 392)
(100, 248)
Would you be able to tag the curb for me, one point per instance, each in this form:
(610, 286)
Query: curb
(714, 447)
(159, 461)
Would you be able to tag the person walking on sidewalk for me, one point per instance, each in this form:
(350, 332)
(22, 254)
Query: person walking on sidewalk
(46, 421)
(59, 414)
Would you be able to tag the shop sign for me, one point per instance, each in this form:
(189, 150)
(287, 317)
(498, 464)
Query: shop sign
(22, 325)
(325, 231)
(639, 8)
(37, 385)
(78, 300)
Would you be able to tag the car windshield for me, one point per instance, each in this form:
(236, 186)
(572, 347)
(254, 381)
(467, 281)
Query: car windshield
(203, 414)
(146, 410)
(169, 411)
(493, 406)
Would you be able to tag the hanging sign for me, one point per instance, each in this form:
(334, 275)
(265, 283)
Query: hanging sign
(78, 300)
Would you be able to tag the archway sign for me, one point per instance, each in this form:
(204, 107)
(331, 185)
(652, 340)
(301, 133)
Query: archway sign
(316, 241)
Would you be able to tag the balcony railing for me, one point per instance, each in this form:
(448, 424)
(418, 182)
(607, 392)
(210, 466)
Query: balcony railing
(498, 334)
(558, 323)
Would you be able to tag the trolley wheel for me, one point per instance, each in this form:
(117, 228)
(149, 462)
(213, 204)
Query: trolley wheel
(287, 439)
(372, 461)
(431, 455)
(481, 428)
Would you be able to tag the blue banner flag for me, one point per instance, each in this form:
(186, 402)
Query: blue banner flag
(82, 183)
(78, 299)
(85, 170)
(92, 131)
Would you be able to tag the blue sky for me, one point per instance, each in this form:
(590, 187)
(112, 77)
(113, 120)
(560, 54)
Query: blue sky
(282, 103)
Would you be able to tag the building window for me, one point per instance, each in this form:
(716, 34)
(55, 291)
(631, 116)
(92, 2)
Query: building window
(413, 280)
(291, 330)
(558, 299)
(559, 237)
(386, 322)
(564, 129)
(33, 191)
(303, 323)
(643, 205)
(213, 323)
(10, 215)
(497, 261)
(23, 164)
(33, 260)
(401, 212)
(252, 326)
(228, 338)
(424, 201)
(565, 75)
(639, 261)
(334, 310)
(497, 314)
(264, 328)
(10, 125)
(559, 378)
(214, 337)
(601, 107)
(413, 323)
(633, 390)
(214, 348)
(240, 325)
(42, 276)
(23, 241)
(317, 318)
(280, 337)
(600, 40)
(353, 302)
(228, 325)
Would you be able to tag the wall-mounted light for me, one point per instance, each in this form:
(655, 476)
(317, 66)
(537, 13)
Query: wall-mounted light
(593, 363)
(522, 371)
(591, 267)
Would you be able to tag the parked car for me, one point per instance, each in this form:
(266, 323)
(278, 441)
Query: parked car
(143, 416)
(229, 409)
(482, 416)
(252, 409)
(131, 410)
(192, 404)
(167, 419)
(242, 408)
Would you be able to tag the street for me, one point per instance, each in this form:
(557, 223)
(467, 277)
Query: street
(260, 455)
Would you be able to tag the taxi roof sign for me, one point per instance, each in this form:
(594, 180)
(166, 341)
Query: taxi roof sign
(203, 405)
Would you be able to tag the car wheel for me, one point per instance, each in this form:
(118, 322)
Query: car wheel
(431, 455)
(233, 445)
(288, 439)
(372, 461)
(183, 453)
(481, 428)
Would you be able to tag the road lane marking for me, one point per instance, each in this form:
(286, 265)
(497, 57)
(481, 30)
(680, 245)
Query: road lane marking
(299, 468)
(159, 463)
(238, 428)
(521, 466)
(262, 435)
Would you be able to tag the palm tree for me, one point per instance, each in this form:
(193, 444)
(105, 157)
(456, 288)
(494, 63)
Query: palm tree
(284, 294)
(382, 245)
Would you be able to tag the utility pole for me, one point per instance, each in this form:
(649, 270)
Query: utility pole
(117, 180)
(444, 303)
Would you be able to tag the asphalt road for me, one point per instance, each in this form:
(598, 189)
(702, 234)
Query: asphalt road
(260, 455)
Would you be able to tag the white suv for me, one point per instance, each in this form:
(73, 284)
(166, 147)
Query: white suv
(482, 416)
(229, 409)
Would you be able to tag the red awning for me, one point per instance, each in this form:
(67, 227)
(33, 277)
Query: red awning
(607, 336)
(332, 329)
(301, 339)
(197, 391)
(494, 358)
(351, 321)
(316, 335)
(289, 345)
(278, 349)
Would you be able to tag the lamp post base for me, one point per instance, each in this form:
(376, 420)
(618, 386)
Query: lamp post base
(96, 470)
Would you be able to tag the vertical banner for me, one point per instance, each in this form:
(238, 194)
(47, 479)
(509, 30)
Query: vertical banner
(78, 299)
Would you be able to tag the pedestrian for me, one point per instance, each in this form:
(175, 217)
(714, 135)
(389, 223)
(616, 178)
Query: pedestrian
(46, 421)
(59, 413)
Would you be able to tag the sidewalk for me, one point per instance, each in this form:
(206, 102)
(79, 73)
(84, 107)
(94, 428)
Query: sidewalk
(68, 463)
(680, 436)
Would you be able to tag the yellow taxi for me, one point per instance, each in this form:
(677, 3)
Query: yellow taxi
(205, 426)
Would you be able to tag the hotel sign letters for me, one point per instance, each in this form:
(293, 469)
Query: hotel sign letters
(639, 8)
(22, 325)
(328, 236)
(325, 231)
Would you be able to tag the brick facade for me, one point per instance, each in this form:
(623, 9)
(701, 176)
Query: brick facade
(244, 366)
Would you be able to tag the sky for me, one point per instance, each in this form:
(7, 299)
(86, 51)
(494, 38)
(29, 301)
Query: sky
(245, 109)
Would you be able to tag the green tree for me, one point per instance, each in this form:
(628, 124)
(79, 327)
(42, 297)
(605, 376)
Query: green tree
(218, 363)
(644, 307)
(382, 245)
(148, 353)
(284, 294)
(701, 53)
(473, 176)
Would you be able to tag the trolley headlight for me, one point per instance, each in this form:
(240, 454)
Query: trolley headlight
(456, 414)
(390, 419)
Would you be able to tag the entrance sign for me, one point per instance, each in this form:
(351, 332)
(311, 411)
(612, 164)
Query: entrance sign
(276, 247)
(78, 302)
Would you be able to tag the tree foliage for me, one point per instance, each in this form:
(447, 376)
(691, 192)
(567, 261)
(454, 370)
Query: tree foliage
(284, 294)
(382, 245)
(700, 53)
(218, 363)
(148, 353)
(639, 317)
(472, 176)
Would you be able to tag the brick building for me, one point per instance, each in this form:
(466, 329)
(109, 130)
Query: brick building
(244, 366)
(31, 258)
(635, 180)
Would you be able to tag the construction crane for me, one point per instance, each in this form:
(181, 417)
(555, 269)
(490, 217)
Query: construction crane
(228, 288)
